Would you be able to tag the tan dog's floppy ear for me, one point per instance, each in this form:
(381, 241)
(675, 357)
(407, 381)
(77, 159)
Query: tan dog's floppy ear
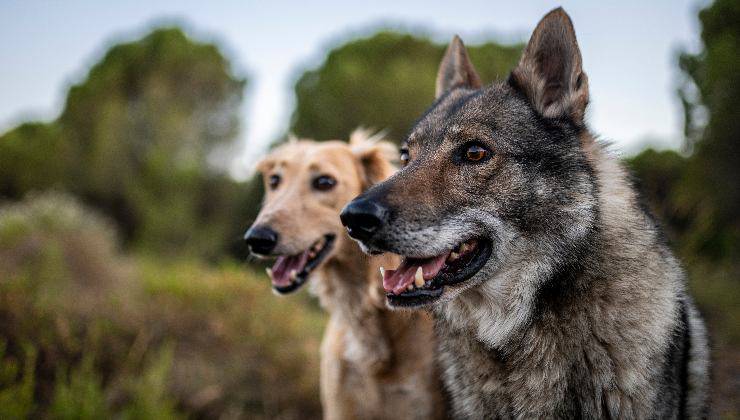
(263, 165)
(456, 69)
(267, 162)
(549, 73)
(374, 154)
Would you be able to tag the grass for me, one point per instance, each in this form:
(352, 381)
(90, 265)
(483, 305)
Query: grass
(91, 333)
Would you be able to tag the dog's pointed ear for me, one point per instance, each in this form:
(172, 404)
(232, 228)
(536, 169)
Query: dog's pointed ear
(549, 73)
(374, 154)
(456, 69)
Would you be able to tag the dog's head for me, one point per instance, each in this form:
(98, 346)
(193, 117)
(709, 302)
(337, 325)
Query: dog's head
(306, 185)
(491, 176)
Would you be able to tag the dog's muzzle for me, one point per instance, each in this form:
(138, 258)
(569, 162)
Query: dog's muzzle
(363, 218)
(261, 239)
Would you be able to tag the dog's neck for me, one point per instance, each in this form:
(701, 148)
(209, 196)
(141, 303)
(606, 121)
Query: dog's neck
(349, 288)
(345, 281)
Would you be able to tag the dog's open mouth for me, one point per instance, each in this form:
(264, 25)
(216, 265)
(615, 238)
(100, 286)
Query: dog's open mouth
(290, 271)
(419, 281)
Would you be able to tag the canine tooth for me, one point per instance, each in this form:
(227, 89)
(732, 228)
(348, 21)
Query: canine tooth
(293, 274)
(419, 278)
(268, 270)
(382, 272)
(453, 256)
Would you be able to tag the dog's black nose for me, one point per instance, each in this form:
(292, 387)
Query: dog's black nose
(363, 218)
(261, 239)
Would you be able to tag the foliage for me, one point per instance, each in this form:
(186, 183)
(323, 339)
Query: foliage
(136, 337)
(384, 81)
(711, 96)
(33, 157)
(16, 383)
(137, 138)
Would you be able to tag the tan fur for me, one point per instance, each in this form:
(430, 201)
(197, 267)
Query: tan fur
(375, 363)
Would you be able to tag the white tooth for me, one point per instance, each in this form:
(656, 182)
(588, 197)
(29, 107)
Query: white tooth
(382, 272)
(268, 270)
(419, 278)
(410, 287)
(453, 256)
(293, 274)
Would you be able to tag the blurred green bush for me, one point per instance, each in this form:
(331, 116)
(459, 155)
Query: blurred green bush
(88, 332)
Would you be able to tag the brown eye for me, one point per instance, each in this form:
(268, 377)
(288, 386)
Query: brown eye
(476, 153)
(404, 157)
(273, 181)
(324, 183)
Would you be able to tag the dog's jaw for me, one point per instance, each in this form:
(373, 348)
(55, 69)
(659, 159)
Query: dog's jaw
(291, 272)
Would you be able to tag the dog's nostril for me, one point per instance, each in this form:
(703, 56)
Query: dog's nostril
(363, 218)
(261, 239)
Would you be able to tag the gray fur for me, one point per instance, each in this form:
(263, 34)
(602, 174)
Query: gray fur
(581, 310)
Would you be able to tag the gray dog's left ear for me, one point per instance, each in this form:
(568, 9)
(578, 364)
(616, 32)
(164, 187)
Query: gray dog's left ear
(549, 72)
(456, 69)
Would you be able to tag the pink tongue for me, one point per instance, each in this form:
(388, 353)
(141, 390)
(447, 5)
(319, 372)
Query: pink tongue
(398, 280)
(285, 265)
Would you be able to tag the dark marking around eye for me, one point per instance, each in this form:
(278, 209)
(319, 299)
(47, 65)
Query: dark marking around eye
(474, 153)
(324, 183)
(405, 156)
(274, 181)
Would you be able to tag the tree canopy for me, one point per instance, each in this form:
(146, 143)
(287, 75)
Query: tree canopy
(384, 81)
(711, 97)
(135, 137)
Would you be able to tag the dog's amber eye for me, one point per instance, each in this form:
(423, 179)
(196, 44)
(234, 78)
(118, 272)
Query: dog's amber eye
(324, 183)
(476, 153)
(273, 181)
(404, 157)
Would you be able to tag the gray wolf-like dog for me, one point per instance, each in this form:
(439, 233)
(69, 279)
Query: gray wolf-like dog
(553, 291)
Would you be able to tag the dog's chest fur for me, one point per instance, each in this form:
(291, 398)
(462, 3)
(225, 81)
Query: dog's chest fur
(549, 373)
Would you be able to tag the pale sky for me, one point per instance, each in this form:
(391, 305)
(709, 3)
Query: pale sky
(629, 51)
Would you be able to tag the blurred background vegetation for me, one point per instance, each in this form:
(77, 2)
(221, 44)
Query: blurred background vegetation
(123, 288)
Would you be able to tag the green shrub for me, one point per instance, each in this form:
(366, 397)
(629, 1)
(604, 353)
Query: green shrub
(16, 383)
(135, 337)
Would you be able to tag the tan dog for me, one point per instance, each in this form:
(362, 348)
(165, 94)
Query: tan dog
(375, 363)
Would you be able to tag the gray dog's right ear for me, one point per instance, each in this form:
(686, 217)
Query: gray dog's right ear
(456, 69)
(550, 72)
